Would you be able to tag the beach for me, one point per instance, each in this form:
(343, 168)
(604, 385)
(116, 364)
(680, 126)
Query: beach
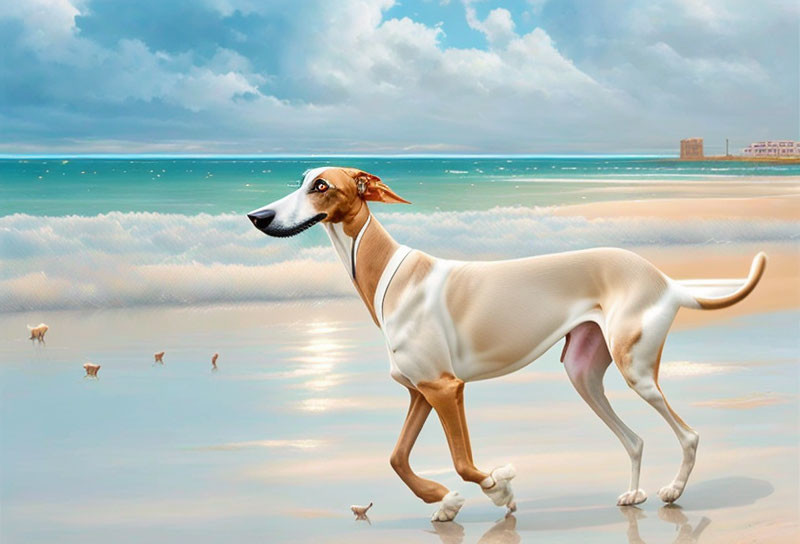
(298, 421)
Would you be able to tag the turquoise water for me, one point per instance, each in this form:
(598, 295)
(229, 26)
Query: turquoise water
(100, 233)
(190, 186)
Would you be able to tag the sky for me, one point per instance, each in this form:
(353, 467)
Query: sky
(386, 76)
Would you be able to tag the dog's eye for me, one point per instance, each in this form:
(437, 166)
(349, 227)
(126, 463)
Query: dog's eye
(321, 186)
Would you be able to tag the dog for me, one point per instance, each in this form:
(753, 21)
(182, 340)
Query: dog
(91, 369)
(450, 322)
(38, 332)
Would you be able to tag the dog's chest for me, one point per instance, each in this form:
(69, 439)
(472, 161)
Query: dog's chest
(419, 332)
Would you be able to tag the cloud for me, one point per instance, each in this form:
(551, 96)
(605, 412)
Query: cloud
(498, 27)
(374, 76)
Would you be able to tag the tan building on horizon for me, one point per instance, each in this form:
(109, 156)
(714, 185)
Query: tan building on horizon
(692, 148)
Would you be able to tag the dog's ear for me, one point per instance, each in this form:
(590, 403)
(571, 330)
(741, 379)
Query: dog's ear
(370, 187)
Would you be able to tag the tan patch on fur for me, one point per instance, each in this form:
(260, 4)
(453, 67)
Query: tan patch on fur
(446, 395)
(623, 346)
(427, 490)
(759, 264)
(412, 272)
(340, 202)
(658, 362)
(374, 252)
(500, 307)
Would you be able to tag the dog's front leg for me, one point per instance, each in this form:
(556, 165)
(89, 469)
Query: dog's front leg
(427, 490)
(446, 395)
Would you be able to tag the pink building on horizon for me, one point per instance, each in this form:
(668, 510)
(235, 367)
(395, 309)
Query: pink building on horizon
(772, 148)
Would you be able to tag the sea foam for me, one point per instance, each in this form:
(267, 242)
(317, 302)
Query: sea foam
(120, 259)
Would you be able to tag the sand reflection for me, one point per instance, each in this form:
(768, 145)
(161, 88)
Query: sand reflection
(553, 514)
(686, 534)
(505, 530)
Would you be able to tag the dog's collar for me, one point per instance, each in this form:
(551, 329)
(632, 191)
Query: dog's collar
(386, 278)
(354, 247)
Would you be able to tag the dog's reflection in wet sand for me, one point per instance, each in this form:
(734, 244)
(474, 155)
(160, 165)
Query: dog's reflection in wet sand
(671, 514)
(504, 531)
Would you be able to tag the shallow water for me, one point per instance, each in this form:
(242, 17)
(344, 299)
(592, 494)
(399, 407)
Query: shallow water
(300, 418)
(89, 186)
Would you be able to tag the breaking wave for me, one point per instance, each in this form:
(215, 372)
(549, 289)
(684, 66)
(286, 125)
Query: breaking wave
(122, 259)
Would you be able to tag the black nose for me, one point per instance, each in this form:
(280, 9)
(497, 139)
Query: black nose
(261, 219)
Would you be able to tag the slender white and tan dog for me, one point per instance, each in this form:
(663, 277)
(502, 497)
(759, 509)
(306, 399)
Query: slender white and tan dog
(450, 322)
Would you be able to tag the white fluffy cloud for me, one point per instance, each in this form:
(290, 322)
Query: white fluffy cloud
(351, 77)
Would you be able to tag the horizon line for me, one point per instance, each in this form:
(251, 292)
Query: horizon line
(42, 156)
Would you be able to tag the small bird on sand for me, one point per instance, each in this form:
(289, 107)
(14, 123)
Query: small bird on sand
(360, 511)
(37, 332)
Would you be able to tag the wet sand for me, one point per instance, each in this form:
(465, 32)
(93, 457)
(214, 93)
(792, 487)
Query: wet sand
(785, 207)
(299, 421)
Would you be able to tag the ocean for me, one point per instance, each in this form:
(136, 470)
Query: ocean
(114, 232)
(189, 186)
(123, 257)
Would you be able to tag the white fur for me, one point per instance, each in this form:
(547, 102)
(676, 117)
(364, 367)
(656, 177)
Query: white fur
(346, 247)
(498, 487)
(295, 207)
(449, 507)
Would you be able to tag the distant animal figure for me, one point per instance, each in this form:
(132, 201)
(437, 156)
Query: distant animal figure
(214, 360)
(37, 332)
(159, 357)
(449, 322)
(91, 369)
(360, 511)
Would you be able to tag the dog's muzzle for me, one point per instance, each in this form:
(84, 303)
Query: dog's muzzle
(261, 219)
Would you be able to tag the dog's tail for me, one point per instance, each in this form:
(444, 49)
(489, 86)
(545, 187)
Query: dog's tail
(713, 294)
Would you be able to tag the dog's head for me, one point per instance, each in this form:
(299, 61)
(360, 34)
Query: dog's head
(327, 194)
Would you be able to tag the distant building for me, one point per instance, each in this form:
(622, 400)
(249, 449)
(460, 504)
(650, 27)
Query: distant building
(692, 148)
(772, 148)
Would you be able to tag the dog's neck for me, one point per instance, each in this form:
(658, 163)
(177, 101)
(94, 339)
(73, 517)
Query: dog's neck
(364, 247)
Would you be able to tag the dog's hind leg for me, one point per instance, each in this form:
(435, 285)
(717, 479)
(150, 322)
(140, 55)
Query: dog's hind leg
(446, 395)
(639, 364)
(586, 359)
(427, 490)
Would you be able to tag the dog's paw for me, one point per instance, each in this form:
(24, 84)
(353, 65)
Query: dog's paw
(670, 493)
(636, 496)
(451, 504)
(498, 487)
